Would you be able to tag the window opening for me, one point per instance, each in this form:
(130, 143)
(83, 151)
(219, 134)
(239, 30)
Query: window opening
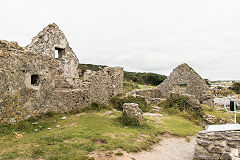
(35, 80)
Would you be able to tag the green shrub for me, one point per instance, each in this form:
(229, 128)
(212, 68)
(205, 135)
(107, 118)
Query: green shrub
(236, 87)
(119, 154)
(94, 106)
(126, 120)
(129, 86)
(119, 100)
(92, 67)
(181, 105)
(144, 78)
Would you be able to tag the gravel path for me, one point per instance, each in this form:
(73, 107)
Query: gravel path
(169, 149)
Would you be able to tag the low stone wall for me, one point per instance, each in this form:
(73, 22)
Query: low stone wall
(217, 145)
(148, 93)
(152, 96)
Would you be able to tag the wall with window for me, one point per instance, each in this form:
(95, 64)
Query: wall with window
(33, 84)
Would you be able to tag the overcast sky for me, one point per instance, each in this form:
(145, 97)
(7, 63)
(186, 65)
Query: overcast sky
(139, 35)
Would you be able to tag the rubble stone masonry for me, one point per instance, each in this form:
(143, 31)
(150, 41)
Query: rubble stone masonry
(34, 80)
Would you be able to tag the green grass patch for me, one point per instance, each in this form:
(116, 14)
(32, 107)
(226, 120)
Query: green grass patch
(82, 133)
(179, 126)
(219, 113)
(119, 154)
(140, 86)
(74, 139)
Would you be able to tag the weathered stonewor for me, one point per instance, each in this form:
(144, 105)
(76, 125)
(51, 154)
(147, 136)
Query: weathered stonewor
(103, 85)
(222, 145)
(152, 96)
(132, 110)
(210, 119)
(34, 81)
(184, 80)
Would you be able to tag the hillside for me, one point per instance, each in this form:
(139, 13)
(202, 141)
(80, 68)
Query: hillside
(136, 77)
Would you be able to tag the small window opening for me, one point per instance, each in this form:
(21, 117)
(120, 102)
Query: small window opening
(35, 80)
(59, 52)
(183, 85)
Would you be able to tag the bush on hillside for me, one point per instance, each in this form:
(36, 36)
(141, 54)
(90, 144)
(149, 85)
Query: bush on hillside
(144, 78)
(137, 77)
(129, 86)
(92, 67)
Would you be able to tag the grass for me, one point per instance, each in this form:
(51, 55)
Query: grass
(220, 114)
(179, 126)
(80, 134)
(129, 86)
(119, 154)
(140, 86)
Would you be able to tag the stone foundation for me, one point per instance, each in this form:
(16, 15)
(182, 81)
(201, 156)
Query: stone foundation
(217, 145)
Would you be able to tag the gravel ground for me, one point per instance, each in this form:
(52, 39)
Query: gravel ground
(169, 149)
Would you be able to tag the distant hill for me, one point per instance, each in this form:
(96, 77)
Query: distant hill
(137, 77)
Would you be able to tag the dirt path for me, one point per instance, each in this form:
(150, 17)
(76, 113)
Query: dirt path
(170, 148)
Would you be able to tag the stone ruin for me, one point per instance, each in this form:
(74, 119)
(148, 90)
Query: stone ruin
(132, 110)
(218, 145)
(183, 80)
(44, 77)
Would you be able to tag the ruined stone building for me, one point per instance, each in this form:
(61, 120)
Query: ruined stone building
(182, 80)
(43, 77)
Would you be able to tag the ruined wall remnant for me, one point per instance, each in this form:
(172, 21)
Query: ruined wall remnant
(222, 145)
(184, 80)
(132, 110)
(51, 42)
(152, 96)
(33, 81)
(103, 85)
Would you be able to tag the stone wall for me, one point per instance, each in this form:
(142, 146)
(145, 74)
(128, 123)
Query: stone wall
(147, 93)
(184, 80)
(152, 96)
(103, 85)
(51, 42)
(217, 145)
(33, 81)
